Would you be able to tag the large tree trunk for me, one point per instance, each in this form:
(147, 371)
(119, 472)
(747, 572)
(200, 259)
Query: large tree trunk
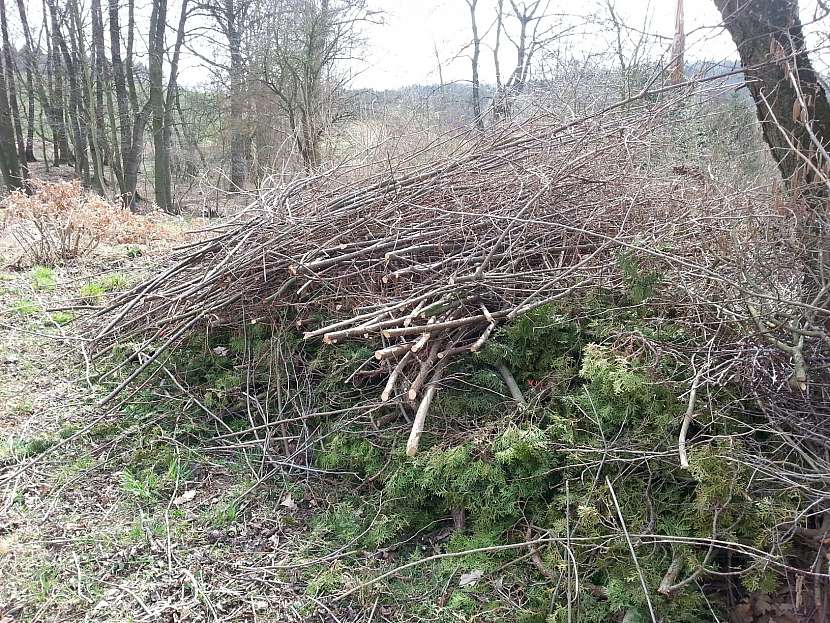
(770, 42)
(14, 107)
(9, 164)
(238, 142)
(162, 182)
(795, 117)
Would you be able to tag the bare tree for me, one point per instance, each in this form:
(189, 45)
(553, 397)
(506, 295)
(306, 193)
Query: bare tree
(11, 79)
(474, 58)
(630, 47)
(132, 119)
(162, 99)
(98, 81)
(679, 45)
(9, 163)
(77, 113)
(536, 29)
(231, 20)
(305, 41)
(51, 102)
(30, 111)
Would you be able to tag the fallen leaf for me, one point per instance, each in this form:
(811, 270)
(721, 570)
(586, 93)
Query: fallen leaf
(185, 497)
(470, 578)
(289, 503)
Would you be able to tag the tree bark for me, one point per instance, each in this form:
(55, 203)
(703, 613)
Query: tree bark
(9, 164)
(52, 105)
(81, 61)
(770, 42)
(161, 155)
(76, 112)
(795, 118)
(99, 80)
(30, 120)
(172, 92)
(130, 130)
(14, 108)
(238, 143)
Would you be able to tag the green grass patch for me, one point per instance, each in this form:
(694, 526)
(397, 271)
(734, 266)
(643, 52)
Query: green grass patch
(94, 291)
(143, 485)
(25, 308)
(26, 449)
(61, 318)
(224, 514)
(43, 278)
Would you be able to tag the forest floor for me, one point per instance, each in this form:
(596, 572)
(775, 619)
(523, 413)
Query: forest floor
(112, 518)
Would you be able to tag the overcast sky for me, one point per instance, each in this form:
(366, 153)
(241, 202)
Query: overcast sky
(402, 50)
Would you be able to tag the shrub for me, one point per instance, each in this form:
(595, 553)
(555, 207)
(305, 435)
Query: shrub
(60, 221)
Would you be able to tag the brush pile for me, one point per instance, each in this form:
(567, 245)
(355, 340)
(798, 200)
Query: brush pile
(426, 261)
(706, 379)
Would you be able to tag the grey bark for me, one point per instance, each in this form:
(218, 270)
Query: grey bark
(161, 172)
(770, 39)
(14, 107)
(9, 164)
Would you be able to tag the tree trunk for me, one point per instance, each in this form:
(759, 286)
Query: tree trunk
(770, 42)
(9, 164)
(795, 117)
(128, 182)
(77, 114)
(85, 99)
(479, 121)
(53, 102)
(130, 69)
(161, 172)
(238, 155)
(98, 81)
(30, 121)
(52, 106)
(172, 91)
(14, 107)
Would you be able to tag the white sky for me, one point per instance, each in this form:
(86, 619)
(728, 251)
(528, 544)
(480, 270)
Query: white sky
(401, 50)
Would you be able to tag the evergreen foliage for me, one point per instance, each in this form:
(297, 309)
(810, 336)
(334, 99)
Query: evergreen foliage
(594, 411)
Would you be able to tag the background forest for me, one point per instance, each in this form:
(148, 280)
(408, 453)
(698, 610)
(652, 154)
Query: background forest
(176, 105)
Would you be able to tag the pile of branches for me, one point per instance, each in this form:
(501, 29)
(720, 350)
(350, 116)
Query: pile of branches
(425, 261)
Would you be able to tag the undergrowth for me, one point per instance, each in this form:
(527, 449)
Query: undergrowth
(590, 458)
